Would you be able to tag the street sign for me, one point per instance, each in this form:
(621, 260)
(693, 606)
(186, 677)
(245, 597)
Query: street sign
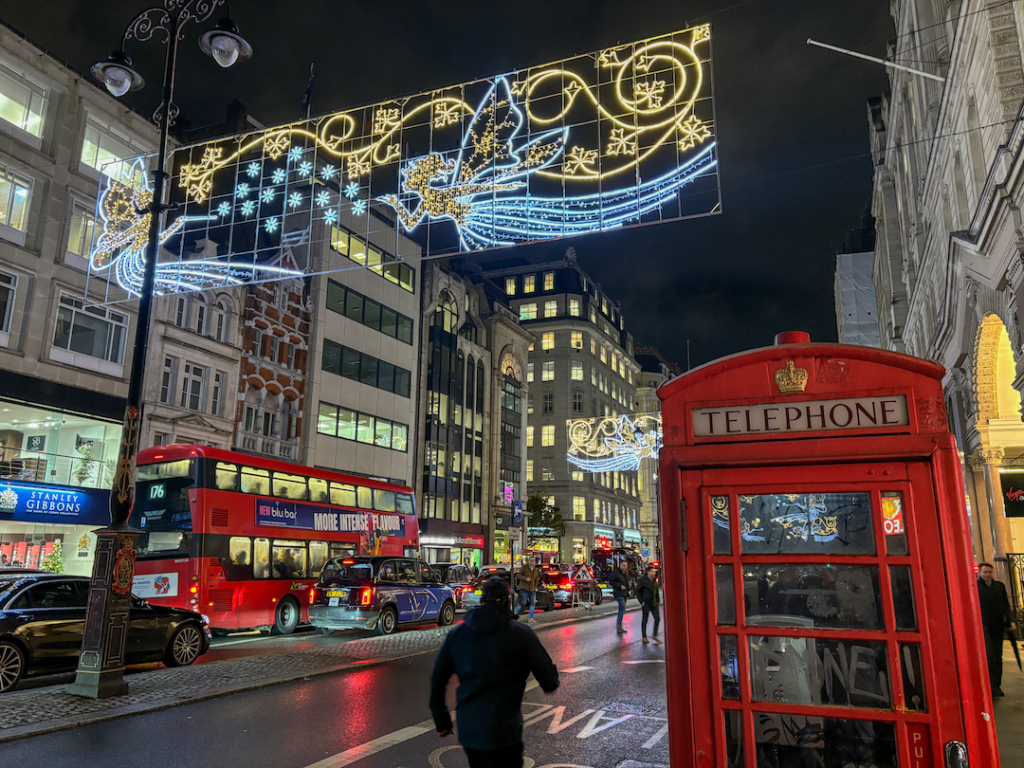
(517, 511)
(583, 574)
(645, 553)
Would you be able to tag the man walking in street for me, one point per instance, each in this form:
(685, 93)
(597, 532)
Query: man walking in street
(529, 580)
(492, 655)
(649, 593)
(619, 582)
(995, 620)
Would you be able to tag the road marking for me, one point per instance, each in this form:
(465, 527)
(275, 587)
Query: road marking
(655, 738)
(570, 670)
(592, 727)
(369, 748)
(555, 713)
(646, 661)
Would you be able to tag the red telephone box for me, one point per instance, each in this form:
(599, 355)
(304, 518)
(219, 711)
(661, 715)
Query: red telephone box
(821, 600)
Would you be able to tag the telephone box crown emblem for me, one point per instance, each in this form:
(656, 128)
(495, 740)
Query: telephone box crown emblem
(791, 379)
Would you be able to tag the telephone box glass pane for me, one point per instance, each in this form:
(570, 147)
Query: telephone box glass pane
(913, 679)
(820, 671)
(903, 597)
(788, 741)
(729, 648)
(734, 739)
(823, 596)
(726, 595)
(894, 524)
(807, 524)
(720, 525)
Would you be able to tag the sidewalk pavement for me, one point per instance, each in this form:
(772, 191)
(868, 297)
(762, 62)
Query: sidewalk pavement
(1009, 713)
(43, 710)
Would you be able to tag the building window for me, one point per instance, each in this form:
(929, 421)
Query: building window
(547, 474)
(529, 470)
(527, 311)
(529, 283)
(92, 331)
(364, 368)
(290, 356)
(579, 508)
(111, 151)
(577, 340)
(15, 193)
(192, 387)
(593, 347)
(529, 404)
(353, 247)
(549, 402)
(83, 225)
(200, 315)
(217, 398)
(604, 354)
(180, 311)
(368, 312)
(597, 511)
(547, 340)
(220, 321)
(272, 348)
(529, 373)
(256, 349)
(550, 308)
(510, 286)
(22, 101)
(574, 307)
(529, 437)
(362, 428)
(577, 370)
(549, 281)
(8, 289)
(604, 305)
(547, 435)
(577, 402)
(269, 423)
(548, 371)
(161, 438)
(577, 476)
(167, 380)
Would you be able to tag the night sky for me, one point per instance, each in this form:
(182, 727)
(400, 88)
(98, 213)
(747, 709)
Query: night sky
(791, 126)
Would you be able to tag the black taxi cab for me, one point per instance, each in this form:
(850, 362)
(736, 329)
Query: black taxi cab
(378, 593)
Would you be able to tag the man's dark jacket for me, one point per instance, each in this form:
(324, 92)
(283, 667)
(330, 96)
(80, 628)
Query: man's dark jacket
(647, 591)
(619, 582)
(493, 656)
(995, 605)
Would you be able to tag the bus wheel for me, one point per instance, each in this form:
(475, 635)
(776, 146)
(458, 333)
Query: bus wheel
(447, 615)
(388, 622)
(287, 617)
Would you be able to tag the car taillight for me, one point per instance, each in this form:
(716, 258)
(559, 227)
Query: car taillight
(567, 584)
(312, 595)
(367, 596)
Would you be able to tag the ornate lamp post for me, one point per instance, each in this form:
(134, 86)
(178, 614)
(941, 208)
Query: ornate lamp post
(101, 663)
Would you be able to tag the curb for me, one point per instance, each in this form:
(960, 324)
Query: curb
(54, 726)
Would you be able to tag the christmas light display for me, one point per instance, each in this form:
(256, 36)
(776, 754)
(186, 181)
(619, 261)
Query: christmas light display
(614, 443)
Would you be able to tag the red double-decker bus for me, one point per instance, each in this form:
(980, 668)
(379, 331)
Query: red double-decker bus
(242, 539)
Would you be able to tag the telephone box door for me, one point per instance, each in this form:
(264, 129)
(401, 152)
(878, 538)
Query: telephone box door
(819, 594)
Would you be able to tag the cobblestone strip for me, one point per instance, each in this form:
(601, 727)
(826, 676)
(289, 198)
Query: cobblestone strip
(40, 710)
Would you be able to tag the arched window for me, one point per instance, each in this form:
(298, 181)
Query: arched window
(446, 316)
(510, 367)
(200, 315)
(181, 311)
(220, 321)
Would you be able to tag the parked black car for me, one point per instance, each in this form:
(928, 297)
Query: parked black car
(42, 617)
(456, 576)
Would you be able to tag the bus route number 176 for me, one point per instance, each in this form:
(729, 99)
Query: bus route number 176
(157, 491)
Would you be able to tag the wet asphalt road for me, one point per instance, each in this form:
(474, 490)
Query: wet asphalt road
(608, 709)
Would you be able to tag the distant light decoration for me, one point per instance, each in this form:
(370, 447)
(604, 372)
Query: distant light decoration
(294, 200)
(323, 198)
(614, 443)
(619, 137)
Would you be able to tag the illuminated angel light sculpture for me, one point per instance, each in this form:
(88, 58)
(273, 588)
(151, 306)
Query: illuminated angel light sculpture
(614, 443)
(120, 248)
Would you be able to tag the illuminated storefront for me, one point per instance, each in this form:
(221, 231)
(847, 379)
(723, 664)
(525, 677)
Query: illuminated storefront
(465, 549)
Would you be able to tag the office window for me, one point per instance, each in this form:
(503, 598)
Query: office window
(547, 435)
(550, 308)
(550, 501)
(217, 398)
(549, 281)
(604, 354)
(8, 288)
(597, 511)
(593, 346)
(529, 404)
(547, 474)
(549, 402)
(576, 341)
(579, 508)
(510, 286)
(109, 150)
(83, 225)
(22, 100)
(15, 193)
(529, 470)
(547, 340)
(529, 373)
(527, 311)
(167, 380)
(93, 331)
(548, 371)
(577, 370)
(529, 283)
(577, 402)
(574, 307)
(577, 476)
(192, 387)
(604, 305)
(529, 437)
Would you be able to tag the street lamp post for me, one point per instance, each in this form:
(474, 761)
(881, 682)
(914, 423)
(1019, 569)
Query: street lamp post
(101, 663)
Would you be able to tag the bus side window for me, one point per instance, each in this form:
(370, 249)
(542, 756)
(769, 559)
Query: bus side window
(403, 502)
(343, 550)
(290, 486)
(289, 560)
(240, 553)
(255, 481)
(318, 490)
(261, 558)
(317, 557)
(384, 501)
(343, 495)
(226, 476)
(365, 497)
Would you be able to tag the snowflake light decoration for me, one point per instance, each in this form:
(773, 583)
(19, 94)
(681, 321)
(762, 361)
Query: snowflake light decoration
(305, 168)
(294, 200)
(323, 198)
(295, 153)
(267, 195)
(359, 207)
(328, 172)
(271, 224)
(242, 191)
(352, 190)
(278, 175)
(253, 169)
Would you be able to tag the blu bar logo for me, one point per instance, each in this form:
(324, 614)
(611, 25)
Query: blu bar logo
(809, 416)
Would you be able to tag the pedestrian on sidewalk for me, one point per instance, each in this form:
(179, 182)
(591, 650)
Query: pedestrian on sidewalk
(529, 580)
(995, 620)
(492, 655)
(619, 582)
(648, 591)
